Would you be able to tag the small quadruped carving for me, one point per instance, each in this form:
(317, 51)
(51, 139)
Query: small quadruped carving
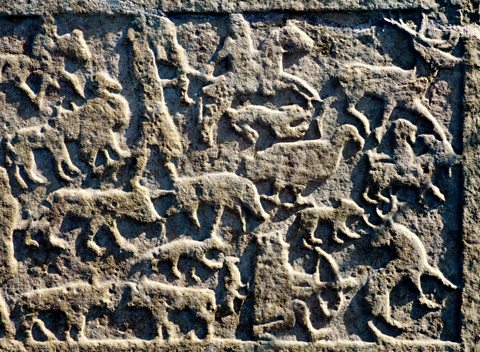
(410, 263)
(79, 125)
(72, 299)
(230, 181)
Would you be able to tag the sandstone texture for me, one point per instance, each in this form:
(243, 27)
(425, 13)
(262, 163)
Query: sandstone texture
(218, 175)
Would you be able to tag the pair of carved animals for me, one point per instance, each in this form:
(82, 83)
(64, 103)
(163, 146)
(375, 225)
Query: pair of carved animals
(410, 262)
(76, 299)
(254, 72)
(104, 207)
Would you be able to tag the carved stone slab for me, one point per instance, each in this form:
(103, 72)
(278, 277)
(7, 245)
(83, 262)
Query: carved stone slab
(221, 175)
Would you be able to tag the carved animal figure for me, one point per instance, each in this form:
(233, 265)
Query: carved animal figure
(74, 299)
(396, 87)
(102, 208)
(49, 50)
(159, 298)
(81, 124)
(233, 284)
(298, 164)
(404, 168)
(9, 217)
(26, 140)
(435, 51)
(310, 218)
(111, 111)
(410, 263)
(279, 290)
(222, 189)
(198, 250)
(249, 77)
(289, 121)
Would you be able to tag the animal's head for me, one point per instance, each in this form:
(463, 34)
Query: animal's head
(293, 39)
(107, 83)
(229, 260)
(74, 45)
(348, 133)
(405, 130)
(239, 26)
(272, 242)
(351, 207)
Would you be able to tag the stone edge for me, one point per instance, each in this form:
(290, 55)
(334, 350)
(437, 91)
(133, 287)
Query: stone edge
(35, 7)
(470, 307)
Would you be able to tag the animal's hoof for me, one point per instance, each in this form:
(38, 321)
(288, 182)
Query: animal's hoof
(316, 241)
(429, 303)
(337, 239)
(95, 248)
(32, 243)
(59, 243)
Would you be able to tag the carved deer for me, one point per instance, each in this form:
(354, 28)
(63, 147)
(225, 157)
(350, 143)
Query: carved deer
(396, 87)
(435, 51)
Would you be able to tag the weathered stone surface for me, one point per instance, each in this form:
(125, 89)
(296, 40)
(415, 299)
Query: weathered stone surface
(220, 175)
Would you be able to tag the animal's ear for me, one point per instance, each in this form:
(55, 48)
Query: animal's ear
(290, 23)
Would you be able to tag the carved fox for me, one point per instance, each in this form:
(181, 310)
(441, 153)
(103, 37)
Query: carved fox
(411, 262)
(222, 189)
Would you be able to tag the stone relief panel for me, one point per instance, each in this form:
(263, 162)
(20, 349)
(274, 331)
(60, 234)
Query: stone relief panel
(231, 179)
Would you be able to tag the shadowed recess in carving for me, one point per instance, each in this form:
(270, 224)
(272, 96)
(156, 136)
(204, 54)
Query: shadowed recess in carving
(250, 179)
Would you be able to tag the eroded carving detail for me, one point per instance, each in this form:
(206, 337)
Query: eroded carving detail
(241, 188)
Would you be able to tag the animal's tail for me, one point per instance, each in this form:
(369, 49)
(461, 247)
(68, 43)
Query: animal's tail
(435, 272)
